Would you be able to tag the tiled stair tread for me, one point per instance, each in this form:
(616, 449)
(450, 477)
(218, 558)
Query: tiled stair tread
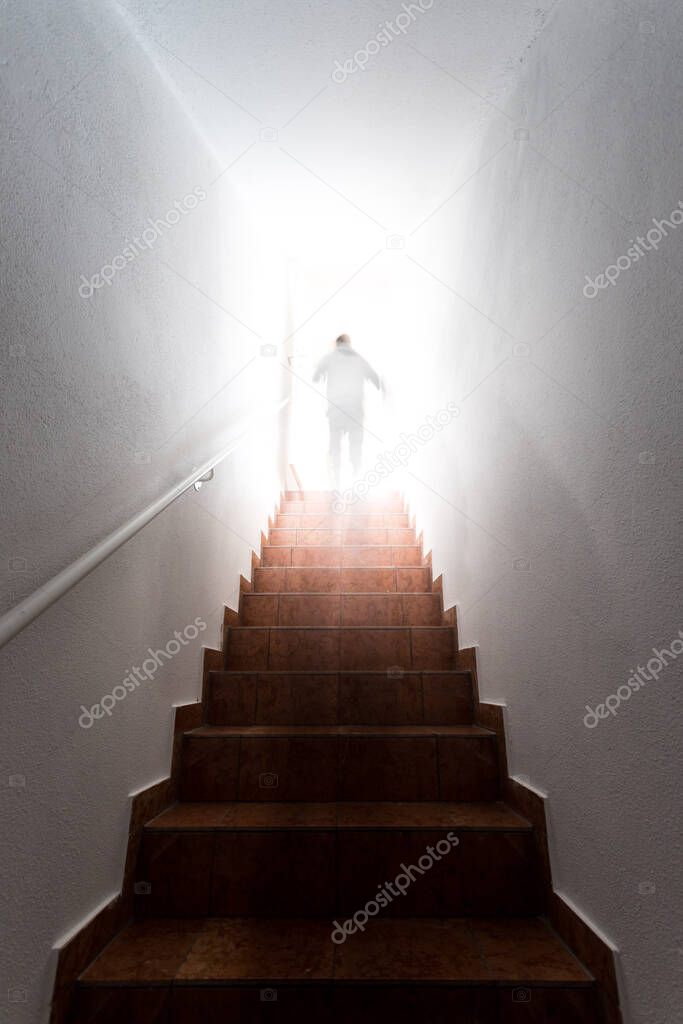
(344, 593)
(385, 506)
(292, 521)
(325, 508)
(315, 495)
(469, 731)
(409, 534)
(354, 544)
(326, 495)
(342, 629)
(347, 517)
(387, 498)
(359, 673)
(416, 950)
(494, 816)
(367, 510)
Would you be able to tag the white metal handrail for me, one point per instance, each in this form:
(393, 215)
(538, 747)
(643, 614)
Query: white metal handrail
(41, 599)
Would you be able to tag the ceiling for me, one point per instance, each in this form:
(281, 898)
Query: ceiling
(337, 165)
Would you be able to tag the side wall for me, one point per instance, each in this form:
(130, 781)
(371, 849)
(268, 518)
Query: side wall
(551, 503)
(124, 391)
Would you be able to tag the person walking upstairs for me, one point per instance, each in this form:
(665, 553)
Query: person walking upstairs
(345, 372)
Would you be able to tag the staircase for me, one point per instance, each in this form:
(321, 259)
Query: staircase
(339, 852)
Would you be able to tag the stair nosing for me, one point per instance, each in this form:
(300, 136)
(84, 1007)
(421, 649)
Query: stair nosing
(471, 731)
(268, 568)
(342, 515)
(339, 593)
(393, 565)
(334, 671)
(373, 628)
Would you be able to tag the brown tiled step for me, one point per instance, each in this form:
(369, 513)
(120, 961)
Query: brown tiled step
(339, 555)
(337, 580)
(313, 609)
(322, 763)
(344, 538)
(338, 698)
(308, 648)
(387, 496)
(369, 507)
(343, 521)
(494, 816)
(417, 970)
(339, 730)
(277, 860)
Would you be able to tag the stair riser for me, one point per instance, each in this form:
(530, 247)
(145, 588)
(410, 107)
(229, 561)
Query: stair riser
(322, 580)
(336, 556)
(341, 610)
(345, 538)
(347, 521)
(340, 699)
(341, 1004)
(325, 873)
(390, 497)
(369, 507)
(319, 769)
(332, 650)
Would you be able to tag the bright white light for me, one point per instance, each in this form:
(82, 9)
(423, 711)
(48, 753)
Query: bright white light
(378, 309)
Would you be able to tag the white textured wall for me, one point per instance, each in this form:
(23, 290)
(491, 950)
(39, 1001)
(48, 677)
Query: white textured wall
(566, 456)
(107, 402)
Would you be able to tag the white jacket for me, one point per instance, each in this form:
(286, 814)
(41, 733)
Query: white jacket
(346, 373)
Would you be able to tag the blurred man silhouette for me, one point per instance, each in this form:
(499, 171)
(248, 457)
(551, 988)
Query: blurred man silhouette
(346, 373)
